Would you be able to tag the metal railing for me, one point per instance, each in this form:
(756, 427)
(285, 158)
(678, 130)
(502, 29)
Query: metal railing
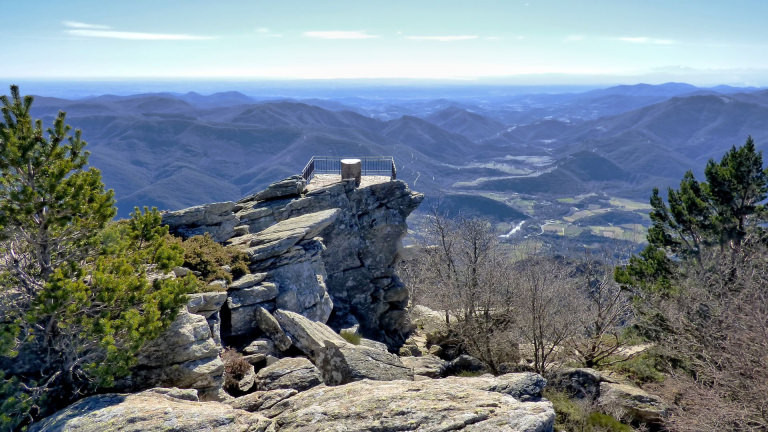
(371, 166)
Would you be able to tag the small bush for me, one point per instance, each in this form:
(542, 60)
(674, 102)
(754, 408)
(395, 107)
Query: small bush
(470, 374)
(235, 369)
(644, 368)
(202, 254)
(580, 415)
(351, 337)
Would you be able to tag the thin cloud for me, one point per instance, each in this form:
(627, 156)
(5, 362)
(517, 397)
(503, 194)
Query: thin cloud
(336, 34)
(647, 40)
(111, 34)
(574, 38)
(443, 38)
(266, 32)
(82, 25)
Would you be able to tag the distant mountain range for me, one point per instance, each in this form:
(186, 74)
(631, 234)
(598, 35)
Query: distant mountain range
(175, 150)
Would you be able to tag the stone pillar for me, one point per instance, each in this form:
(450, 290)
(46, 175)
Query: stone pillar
(352, 169)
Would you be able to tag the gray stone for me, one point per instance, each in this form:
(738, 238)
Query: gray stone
(261, 400)
(247, 281)
(308, 336)
(429, 406)
(525, 386)
(150, 411)
(463, 363)
(580, 383)
(187, 338)
(373, 344)
(261, 346)
(216, 219)
(428, 365)
(255, 359)
(176, 393)
(303, 290)
(180, 271)
(344, 363)
(219, 285)
(242, 320)
(338, 360)
(631, 404)
(289, 373)
(266, 291)
(206, 304)
(290, 187)
(269, 325)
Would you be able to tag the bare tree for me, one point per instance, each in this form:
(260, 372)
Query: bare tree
(463, 271)
(547, 307)
(719, 326)
(607, 310)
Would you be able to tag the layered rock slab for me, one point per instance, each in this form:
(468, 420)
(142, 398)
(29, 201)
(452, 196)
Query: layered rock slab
(150, 411)
(430, 405)
(339, 361)
(352, 275)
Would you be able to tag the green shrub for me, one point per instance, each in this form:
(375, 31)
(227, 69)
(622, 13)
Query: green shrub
(580, 415)
(351, 337)
(603, 422)
(645, 367)
(202, 254)
(470, 374)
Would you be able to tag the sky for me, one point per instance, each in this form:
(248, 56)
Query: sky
(704, 42)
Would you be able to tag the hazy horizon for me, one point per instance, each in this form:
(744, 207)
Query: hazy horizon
(513, 42)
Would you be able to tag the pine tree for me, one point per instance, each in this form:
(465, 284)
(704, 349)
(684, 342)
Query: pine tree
(720, 214)
(76, 303)
(51, 207)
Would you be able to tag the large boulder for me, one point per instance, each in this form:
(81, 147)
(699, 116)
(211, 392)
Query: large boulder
(344, 363)
(261, 400)
(338, 360)
(429, 405)
(185, 355)
(269, 325)
(630, 403)
(151, 411)
(525, 386)
(307, 335)
(289, 373)
(580, 383)
(216, 219)
(427, 366)
(290, 187)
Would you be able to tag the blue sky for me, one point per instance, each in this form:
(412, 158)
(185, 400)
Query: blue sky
(531, 41)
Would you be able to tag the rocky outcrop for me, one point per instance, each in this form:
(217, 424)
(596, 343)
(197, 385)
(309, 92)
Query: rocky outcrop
(329, 252)
(630, 403)
(455, 404)
(186, 355)
(339, 361)
(430, 405)
(289, 373)
(216, 219)
(151, 411)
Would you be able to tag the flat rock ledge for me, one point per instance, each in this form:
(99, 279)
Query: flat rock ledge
(150, 411)
(430, 405)
(459, 404)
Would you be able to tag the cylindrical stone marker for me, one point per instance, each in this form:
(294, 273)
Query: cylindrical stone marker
(352, 169)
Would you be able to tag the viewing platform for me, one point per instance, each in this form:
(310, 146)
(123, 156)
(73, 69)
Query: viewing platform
(322, 171)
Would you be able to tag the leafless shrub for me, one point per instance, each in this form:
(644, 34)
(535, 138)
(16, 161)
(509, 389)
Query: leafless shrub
(720, 333)
(235, 368)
